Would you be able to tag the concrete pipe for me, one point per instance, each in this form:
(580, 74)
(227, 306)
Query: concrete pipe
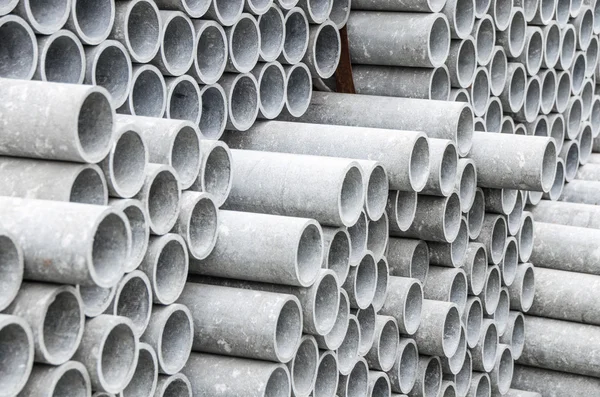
(138, 27)
(512, 39)
(133, 299)
(538, 127)
(533, 50)
(578, 69)
(317, 12)
(567, 48)
(480, 385)
(443, 165)
(530, 8)
(350, 142)
(476, 214)
(563, 91)
(61, 58)
(578, 191)
(461, 62)
(502, 12)
(513, 220)
(140, 231)
(177, 385)
(484, 33)
(197, 223)
(543, 13)
(439, 331)
(243, 99)
(498, 70)
(510, 258)
(376, 183)
(272, 89)
(532, 101)
(552, 383)
(436, 219)
(8, 6)
(484, 354)
(70, 378)
(551, 38)
(493, 115)
(595, 120)
(493, 236)
(148, 96)
(404, 302)
(480, 91)
(570, 155)
(109, 66)
(96, 300)
(271, 25)
(429, 377)
(514, 335)
(446, 284)
(340, 12)
(348, 350)
(586, 141)
(170, 332)
(193, 8)
(587, 98)
(145, 377)
(462, 380)
(262, 378)
(403, 374)
(324, 48)
(522, 291)
(459, 95)
(508, 125)
(177, 44)
(359, 235)
(11, 271)
(295, 43)
(362, 282)
(425, 39)
(584, 27)
(53, 180)
(336, 251)
(500, 201)
(210, 57)
(382, 354)
(335, 338)
(466, 183)
(591, 55)
(556, 126)
(548, 212)
(294, 259)
(461, 17)
(491, 290)
(501, 313)
(303, 366)
(401, 209)
(327, 379)
(408, 258)
(215, 170)
(573, 117)
(92, 22)
(243, 39)
(513, 93)
(126, 163)
(16, 339)
(472, 319)
(525, 236)
(475, 266)
(298, 90)
(396, 81)
(183, 99)
(379, 384)
(55, 315)
(19, 40)
(454, 364)
(82, 136)
(377, 237)
(451, 254)
(109, 352)
(344, 204)
(413, 6)
(356, 383)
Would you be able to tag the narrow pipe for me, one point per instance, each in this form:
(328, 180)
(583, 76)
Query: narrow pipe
(295, 44)
(484, 354)
(446, 284)
(439, 331)
(493, 115)
(197, 223)
(532, 103)
(408, 258)
(466, 183)
(377, 237)
(493, 236)
(148, 96)
(451, 254)
(61, 58)
(570, 155)
(453, 365)
(272, 89)
(183, 99)
(475, 266)
(133, 299)
(361, 282)
(551, 37)
(476, 214)
(138, 27)
(491, 291)
(336, 251)
(591, 56)
(525, 236)
(382, 354)
(548, 80)
(484, 34)
(271, 25)
(508, 265)
(92, 22)
(502, 312)
(317, 12)
(498, 70)
(359, 235)
(404, 302)
(480, 91)
(472, 319)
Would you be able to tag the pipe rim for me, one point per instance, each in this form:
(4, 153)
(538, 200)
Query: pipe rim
(136, 286)
(101, 22)
(136, 43)
(69, 48)
(147, 81)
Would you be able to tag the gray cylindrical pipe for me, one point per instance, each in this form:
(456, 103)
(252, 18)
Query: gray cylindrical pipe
(480, 91)
(571, 214)
(443, 165)
(472, 319)
(462, 379)
(262, 378)
(525, 236)
(461, 62)
(303, 366)
(84, 135)
(20, 41)
(498, 71)
(210, 55)
(243, 99)
(379, 384)
(429, 377)
(92, 22)
(348, 350)
(109, 66)
(295, 44)
(327, 378)
(425, 39)
(341, 206)
(513, 37)
(404, 302)
(557, 128)
(551, 38)
(324, 48)
(317, 12)
(356, 383)
(53, 180)
(194, 8)
(397, 81)
(502, 12)
(11, 272)
(362, 282)
(177, 44)
(140, 231)
(96, 300)
(382, 354)
(271, 25)
(226, 13)
(532, 54)
(291, 250)
(466, 183)
(522, 291)
(377, 237)
(138, 27)
(413, 6)
(454, 121)
(336, 337)
(404, 372)
(510, 258)
(585, 139)
(513, 95)
(476, 214)
(567, 48)
(446, 284)
(502, 311)
(493, 115)
(401, 209)
(70, 378)
(484, 354)
(453, 365)
(552, 383)
(532, 102)
(491, 290)
(336, 251)
(475, 266)
(145, 377)
(459, 95)
(103, 337)
(451, 254)
(170, 332)
(298, 90)
(493, 236)
(508, 125)
(439, 331)
(61, 58)
(15, 337)
(500, 201)
(148, 96)
(408, 258)
(272, 88)
(215, 170)
(183, 99)
(545, 348)
(342, 141)
(243, 39)
(197, 223)
(484, 34)
(570, 156)
(359, 234)
(563, 91)
(177, 385)
(133, 299)
(514, 335)
(591, 55)
(579, 191)
(376, 183)
(461, 17)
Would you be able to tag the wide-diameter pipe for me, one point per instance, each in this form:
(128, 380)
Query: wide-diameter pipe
(303, 366)
(242, 93)
(591, 56)
(61, 58)
(382, 354)
(327, 378)
(404, 372)
(213, 116)
(177, 44)
(133, 299)
(578, 69)
(271, 25)
(366, 321)
(70, 378)
(532, 101)
(429, 377)
(145, 377)
(407, 165)
(183, 99)
(53, 180)
(498, 70)
(439, 331)
(84, 135)
(587, 98)
(461, 62)
(578, 191)
(272, 89)
(275, 338)
(244, 44)
(502, 311)
(356, 383)
(584, 27)
(453, 254)
(513, 37)
(92, 22)
(443, 165)
(404, 302)
(16, 338)
(461, 17)
(334, 339)
(210, 54)
(522, 291)
(343, 204)
(295, 43)
(125, 165)
(109, 352)
(148, 96)
(138, 27)
(425, 39)
(19, 39)
(484, 34)
(324, 48)
(491, 291)
(55, 314)
(8, 6)
(96, 300)
(95, 258)
(140, 232)
(263, 379)
(414, 6)
(446, 284)
(294, 260)
(408, 258)
(340, 12)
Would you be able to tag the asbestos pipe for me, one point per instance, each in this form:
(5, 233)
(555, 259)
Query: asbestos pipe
(484, 354)
(379, 384)
(324, 48)
(241, 91)
(424, 83)
(570, 156)
(91, 22)
(480, 385)
(425, 39)
(404, 372)
(262, 378)
(579, 191)
(512, 38)
(348, 350)
(382, 354)
(272, 87)
(359, 235)
(108, 371)
(552, 383)
(11, 273)
(461, 17)
(525, 236)
(439, 331)
(210, 57)
(145, 377)
(377, 237)
(336, 251)
(137, 26)
(334, 339)
(459, 95)
(532, 53)
(70, 378)
(215, 170)
(443, 165)
(451, 254)
(295, 43)
(197, 223)
(22, 44)
(194, 8)
(177, 44)
(96, 300)
(493, 115)
(366, 321)
(484, 33)
(501, 313)
(408, 258)
(493, 236)
(476, 214)
(514, 335)
(61, 58)
(508, 125)
(446, 284)
(362, 282)
(404, 302)
(109, 66)
(84, 135)
(475, 266)
(413, 6)
(133, 299)
(480, 91)
(472, 319)
(497, 70)
(556, 126)
(356, 383)
(510, 258)
(183, 99)
(303, 366)
(466, 183)
(271, 25)
(570, 214)
(461, 62)
(376, 183)
(16, 337)
(317, 12)
(148, 96)
(298, 90)
(522, 291)
(454, 364)
(563, 91)
(532, 103)
(327, 379)
(340, 207)
(429, 377)
(545, 348)
(549, 91)
(53, 180)
(491, 291)
(177, 385)
(401, 209)
(513, 95)
(243, 39)
(140, 231)
(462, 380)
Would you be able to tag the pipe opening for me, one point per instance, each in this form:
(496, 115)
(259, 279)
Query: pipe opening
(483, 388)
(459, 95)
(271, 27)
(492, 290)
(49, 14)
(163, 201)
(517, 33)
(481, 8)
(548, 93)
(571, 161)
(134, 301)
(95, 299)
(299, 90)
(476, 215)
(381, 387)
(595, 116)
(184, 101)
(95, 126)
(348, 350)
(505, 370)
(142, 383)
(468, 185)
(552, 42)
(351, 197)
(139, 234)
(502, 311)
(377, 192)
(259, 6)
(480, 91)
(563, 10)
(508, 125)
(528, 288)
(171, 271)
(432, 377)
(214, 112)
(419, 263)
(143, 31)
(296, 36)
(203, 225)
(308, 255)
(228, 11)
(406, 208)
(502, 13)
(63, 60)
(177, 45)
(340, 12)
(243, 102)
(479, 269)
(335, 337)
(407, 371)
(493, 116)
(278, 384)
(439, 42)
(412, 308)
(327, 377)
(514, 218)
(14, 357)
(185, 155)
(448, 168)
(498, 71)
(587, 98)
(176, 340)
(585, 143)
(358, 238)
(531, 105)
(365, 281)
(498, 243)
(563, 92)
(327, 50)
(211, 54)
(118, 356)
(419, 160)
(288, 330)
(272, 91)
(586, 28)
(304, 367)
(549, 166)
(526, 233)
(485, 39)
(63, 326)
(490, 346)
(110, 247)
(358, 380)
(112, 70)
(466, 63)
(377, 236)
(517, 340)
(535, 50)
(463, 378)
(382, 283)
(439, 87)
(177, 387)
(452, 217)
(578, 73)
(458, 291)
(89, 188)
(11, 270)
(567, 52)
(94, 18)
(244, 48)
(452, 330)
(388, 345)
(128, 163)
(319, 9)
(326, 302)
(71, 383)
(455, 362)
(464, 17)
(473, 323)
(546, 8)
(458, 248)
(148, 94)
(366, 322)
(591, 55)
